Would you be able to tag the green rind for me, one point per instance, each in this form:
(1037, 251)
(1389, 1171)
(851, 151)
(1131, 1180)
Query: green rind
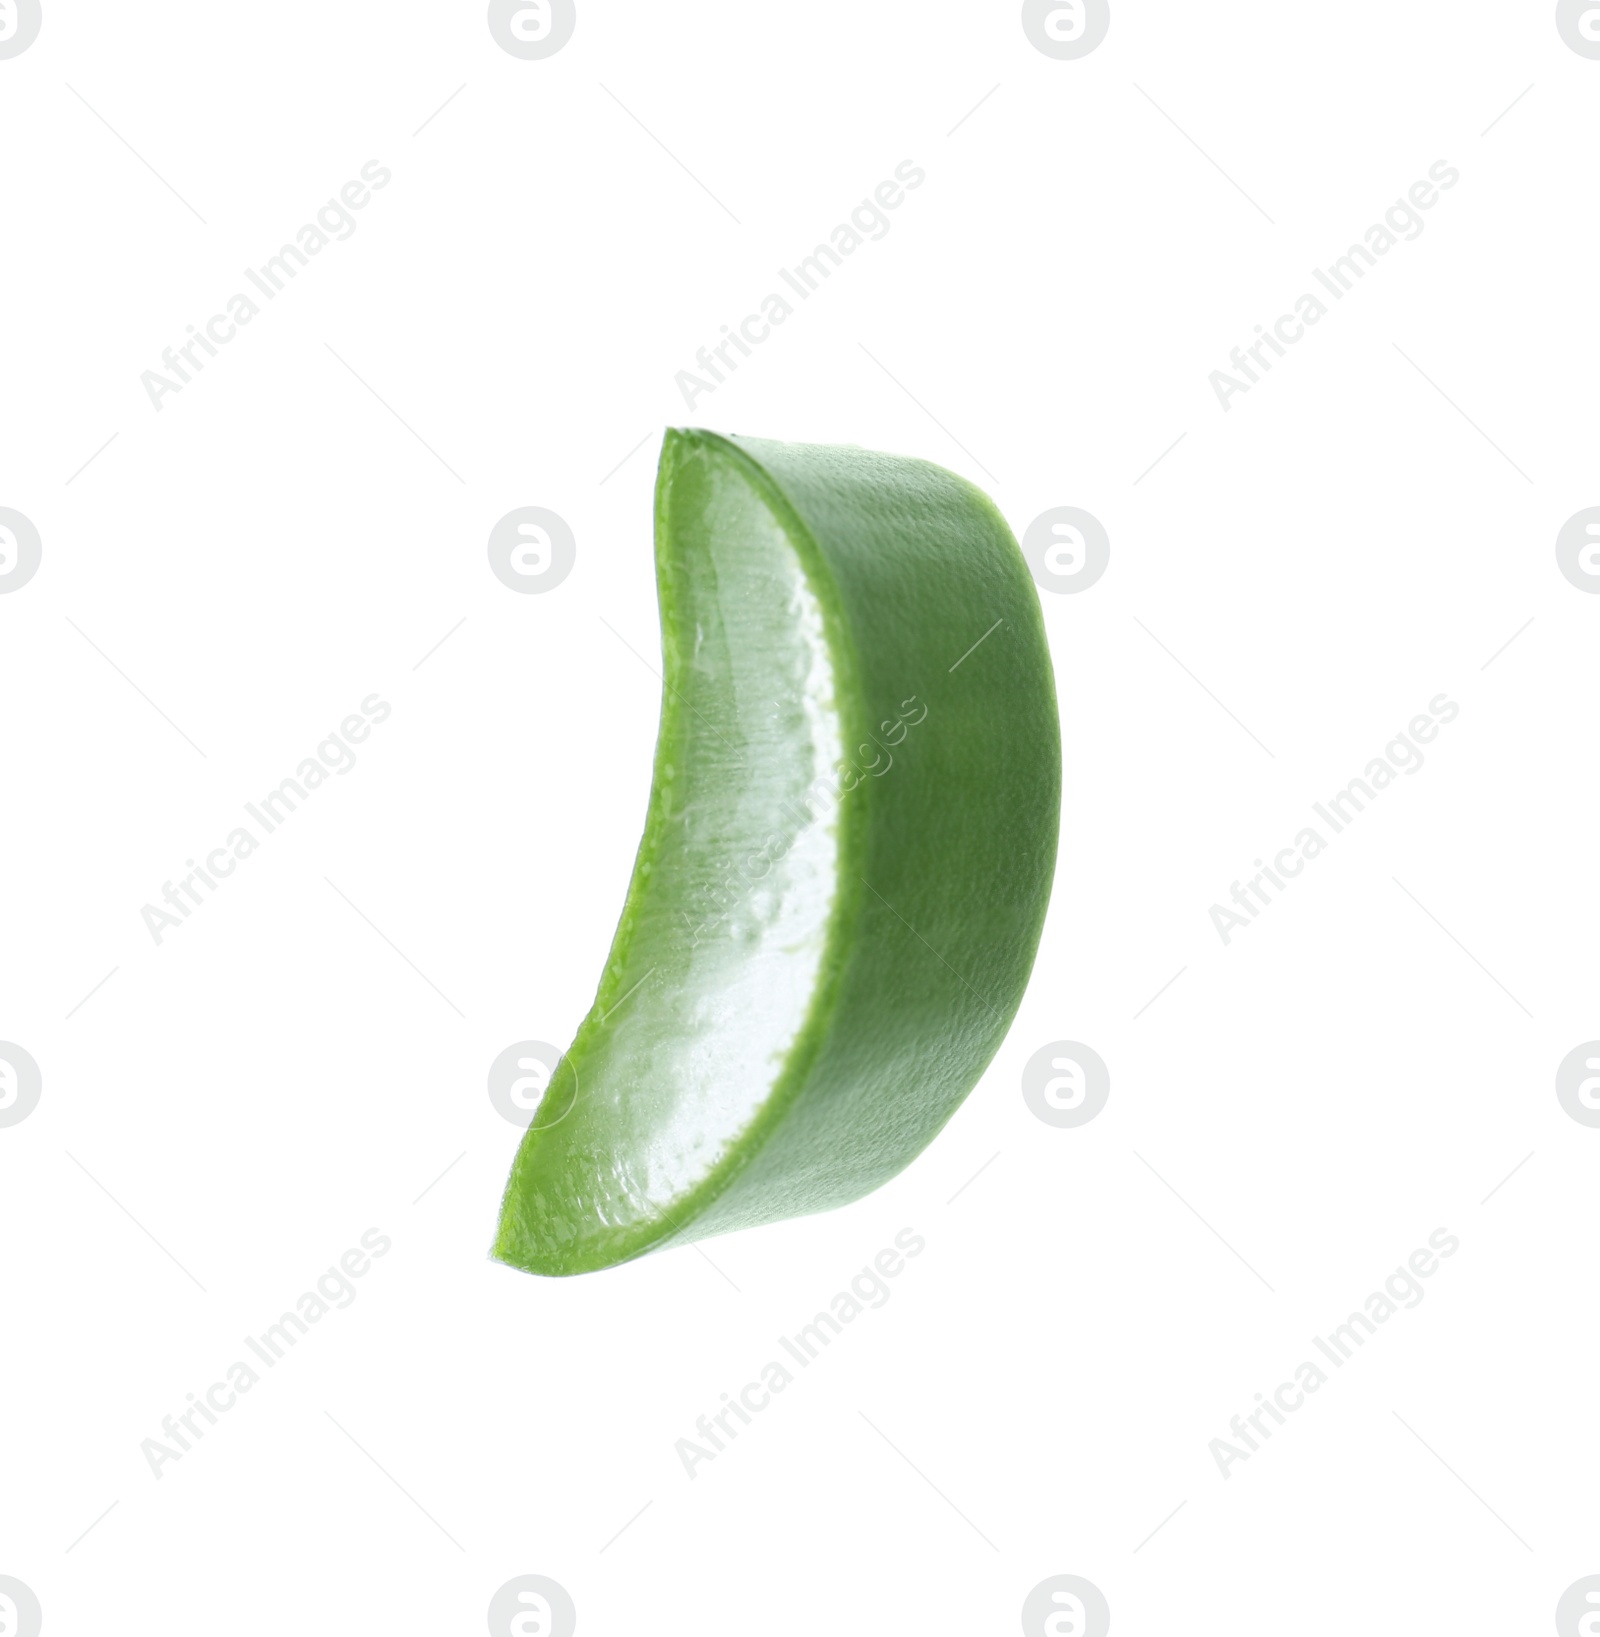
(946, 861)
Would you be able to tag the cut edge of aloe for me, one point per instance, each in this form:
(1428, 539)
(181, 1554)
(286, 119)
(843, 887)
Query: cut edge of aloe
(677, 1222)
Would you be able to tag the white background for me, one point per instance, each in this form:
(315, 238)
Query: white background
(228, 1112)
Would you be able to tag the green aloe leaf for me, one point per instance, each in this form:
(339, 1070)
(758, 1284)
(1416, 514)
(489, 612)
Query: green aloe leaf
(845, 864)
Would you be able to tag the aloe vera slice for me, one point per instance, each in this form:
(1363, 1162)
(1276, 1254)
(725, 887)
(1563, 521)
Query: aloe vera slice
(845, 864)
